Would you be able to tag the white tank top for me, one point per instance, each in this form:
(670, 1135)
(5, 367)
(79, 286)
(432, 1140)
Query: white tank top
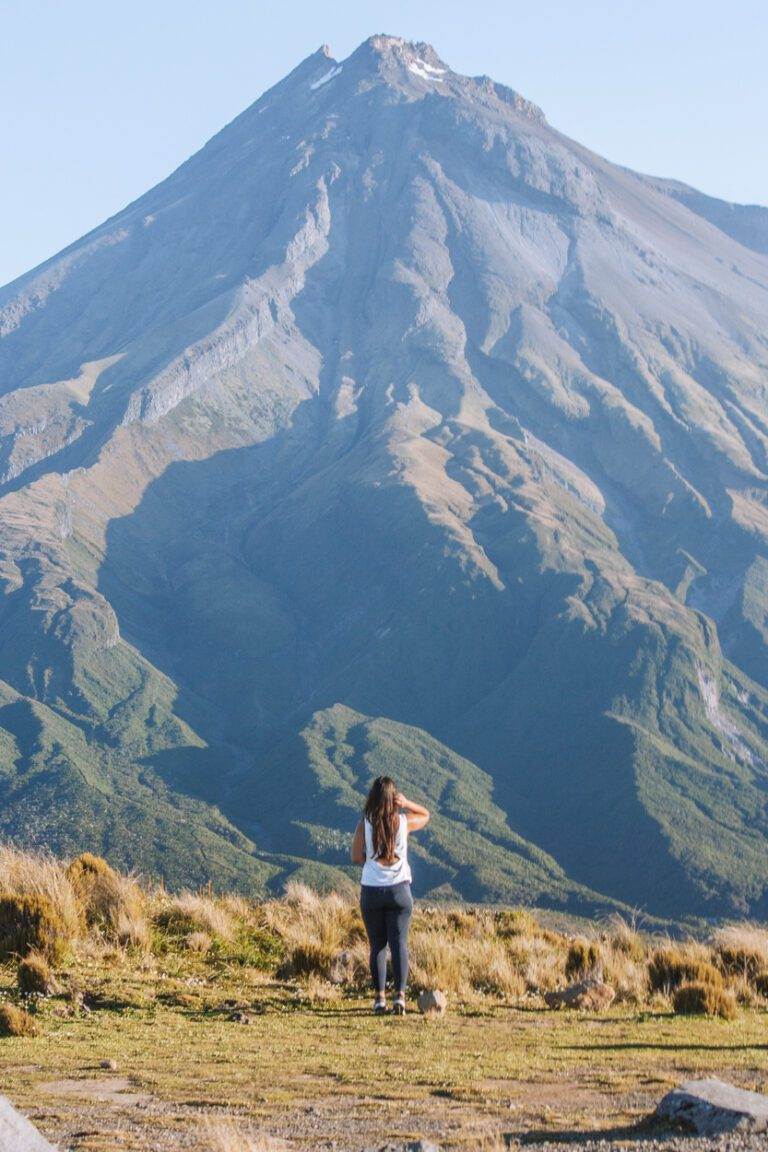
(378, 875)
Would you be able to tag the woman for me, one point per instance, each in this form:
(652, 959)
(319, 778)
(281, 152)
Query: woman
(380, 844)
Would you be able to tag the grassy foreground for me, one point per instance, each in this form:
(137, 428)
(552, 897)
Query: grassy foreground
(202, 1022)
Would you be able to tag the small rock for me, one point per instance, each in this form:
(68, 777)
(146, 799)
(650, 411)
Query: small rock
(712, 1107)
(342, 969)
(412, 1146)
(432, 1003)
(239, 1017)
(591, 995)
(108, 1065)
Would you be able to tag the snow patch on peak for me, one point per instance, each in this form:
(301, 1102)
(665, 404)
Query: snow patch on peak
(329, 75)
(427, 71)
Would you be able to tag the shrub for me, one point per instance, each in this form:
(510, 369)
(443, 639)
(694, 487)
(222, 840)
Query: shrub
(491, 970)
(628, 976)
(195, 912)
(460, 920)
(199, 942)
(34, 976)
(583, 956)
(626, 940)
(31, 923)
(307, 959)
(82, 870)
(463, 965)
(516, 922)
(538, 960)
(668, 968)
(111, 903)
(36, 874)
(129, 925)
(742, 949)
(254, 948)
(15, 1021)
(306, 917)
(703, 999)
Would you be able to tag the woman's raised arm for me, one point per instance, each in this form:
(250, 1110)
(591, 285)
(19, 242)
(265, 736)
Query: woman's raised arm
(417, 814)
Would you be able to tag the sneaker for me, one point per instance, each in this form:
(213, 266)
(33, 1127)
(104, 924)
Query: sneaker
(380, 1007)
(398, 1008)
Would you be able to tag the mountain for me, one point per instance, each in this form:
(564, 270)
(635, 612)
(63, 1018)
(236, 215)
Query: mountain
(395, 429)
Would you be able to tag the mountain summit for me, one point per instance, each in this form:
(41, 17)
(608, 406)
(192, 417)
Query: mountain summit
(395, 431)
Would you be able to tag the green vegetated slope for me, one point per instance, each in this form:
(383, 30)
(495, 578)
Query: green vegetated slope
(312, 788)
(394, 430)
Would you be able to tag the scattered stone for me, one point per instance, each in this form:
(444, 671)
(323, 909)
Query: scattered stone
(342, 969)
(590, 995)
(432, 1003)
(17, 1134)
(108, 1065)
(712, 1107)
(413, 1146)
(239, 1018)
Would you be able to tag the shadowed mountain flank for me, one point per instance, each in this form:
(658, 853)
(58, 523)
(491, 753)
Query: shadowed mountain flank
(395, 429)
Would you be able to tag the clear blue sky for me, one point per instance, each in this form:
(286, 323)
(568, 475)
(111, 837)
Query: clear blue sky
(100, 100)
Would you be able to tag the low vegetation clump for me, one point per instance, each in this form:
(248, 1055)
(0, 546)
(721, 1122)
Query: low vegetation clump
(742, 950)
(15, 1021)
(34, 976)
(199, 942)
(109, 902)
(699, 998)
(515, 922)
(195, 912)
(31, 923)
(38, 874)
(671, 967)
(583, 957)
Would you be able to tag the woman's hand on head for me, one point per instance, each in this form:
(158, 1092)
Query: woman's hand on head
(401, 801)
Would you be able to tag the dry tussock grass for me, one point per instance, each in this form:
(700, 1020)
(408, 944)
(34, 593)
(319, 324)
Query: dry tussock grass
(197, 912)
(461, 965)
(38, 874)
(675, 963)
(315, 928)
(742, 949)
(319, 940)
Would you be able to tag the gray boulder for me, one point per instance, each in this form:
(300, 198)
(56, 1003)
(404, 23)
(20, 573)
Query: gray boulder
(432, 1003)
(590, 995)
(17, 1134)
(712, 1107)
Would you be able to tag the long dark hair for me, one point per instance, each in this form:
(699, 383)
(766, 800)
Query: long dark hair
(382, 814)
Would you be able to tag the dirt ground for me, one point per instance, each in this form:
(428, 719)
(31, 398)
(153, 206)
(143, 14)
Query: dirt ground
(330, 1076)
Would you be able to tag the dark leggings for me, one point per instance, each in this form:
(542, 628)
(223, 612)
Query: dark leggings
(387, 915)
